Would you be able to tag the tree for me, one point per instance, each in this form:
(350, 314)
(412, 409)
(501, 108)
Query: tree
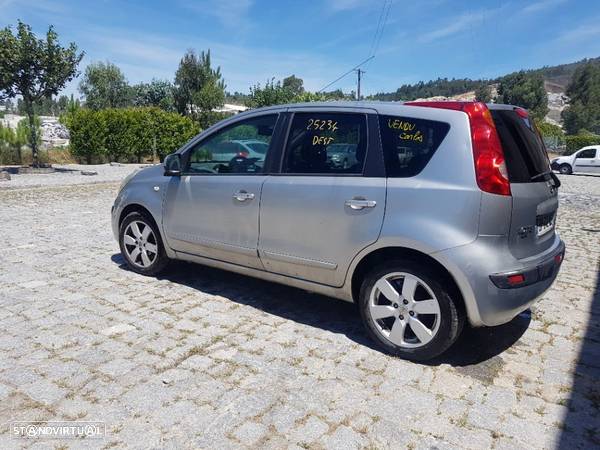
(273, 93)
(24, 129)
(583, 112)
(294, 85)
(198, 88)
(483, 93)
(104, 86)
(157, 93)
(34, 69)
(12, 141)
(525, 90)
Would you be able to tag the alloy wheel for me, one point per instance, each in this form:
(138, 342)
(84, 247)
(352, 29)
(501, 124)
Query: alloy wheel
(404, 309)
(140, 244)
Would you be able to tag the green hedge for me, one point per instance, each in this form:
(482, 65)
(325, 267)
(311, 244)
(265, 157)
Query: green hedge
(127, 134)
(577, 141)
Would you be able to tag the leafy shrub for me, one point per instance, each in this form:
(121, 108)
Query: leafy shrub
(553, 135)
(580, 140)
(127, 134)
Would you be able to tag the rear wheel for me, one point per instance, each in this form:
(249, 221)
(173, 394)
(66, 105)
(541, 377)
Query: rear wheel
(141, 244)
(408, 312)
(565, 169)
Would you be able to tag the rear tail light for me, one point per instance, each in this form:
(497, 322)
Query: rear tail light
(490, 166)
(243, 154)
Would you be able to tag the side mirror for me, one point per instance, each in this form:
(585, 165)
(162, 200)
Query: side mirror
(172, 165)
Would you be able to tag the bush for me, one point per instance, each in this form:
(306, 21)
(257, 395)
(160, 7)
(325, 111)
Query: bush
(130, 134)
(553, 135)
(580, 140)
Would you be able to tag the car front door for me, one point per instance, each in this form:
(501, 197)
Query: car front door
(587, 161)
(212, 210)
(316, 215)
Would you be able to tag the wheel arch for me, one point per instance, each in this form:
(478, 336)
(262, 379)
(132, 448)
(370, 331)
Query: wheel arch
(381, 255)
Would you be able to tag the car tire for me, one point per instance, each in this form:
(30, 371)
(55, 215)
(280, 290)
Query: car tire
(418, 327)
(565, 169)
(141, 244)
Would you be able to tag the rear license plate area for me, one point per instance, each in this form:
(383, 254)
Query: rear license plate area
(544, 223)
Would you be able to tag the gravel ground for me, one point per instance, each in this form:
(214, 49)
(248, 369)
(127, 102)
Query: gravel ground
(70, 174)
(202, 358)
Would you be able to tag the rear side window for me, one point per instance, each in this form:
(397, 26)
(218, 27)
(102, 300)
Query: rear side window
(409, 144)
(326, 143)
(524, 150)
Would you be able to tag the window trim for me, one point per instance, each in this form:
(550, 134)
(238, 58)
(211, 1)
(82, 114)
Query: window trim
(284, 148)
(186, 153)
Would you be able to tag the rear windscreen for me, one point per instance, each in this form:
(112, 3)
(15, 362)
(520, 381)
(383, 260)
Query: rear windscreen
(409, 144)
(524, 150)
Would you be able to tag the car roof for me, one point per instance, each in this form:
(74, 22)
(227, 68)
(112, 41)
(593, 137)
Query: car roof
(363, 104)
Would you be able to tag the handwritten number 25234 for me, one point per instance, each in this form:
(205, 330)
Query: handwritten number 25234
(318, 124)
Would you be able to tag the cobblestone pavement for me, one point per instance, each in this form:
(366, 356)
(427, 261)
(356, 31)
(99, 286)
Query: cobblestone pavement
(204, 358)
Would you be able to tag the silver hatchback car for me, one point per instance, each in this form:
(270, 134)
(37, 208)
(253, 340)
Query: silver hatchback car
(445, 214)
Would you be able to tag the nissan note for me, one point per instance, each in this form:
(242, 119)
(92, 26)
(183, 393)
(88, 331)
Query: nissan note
(445, 213)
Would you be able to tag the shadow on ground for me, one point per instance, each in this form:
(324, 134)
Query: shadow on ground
(582, 422)
(475, 346)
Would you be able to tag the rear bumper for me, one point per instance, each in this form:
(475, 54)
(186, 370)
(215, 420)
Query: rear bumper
(555, 166)
(481, 268)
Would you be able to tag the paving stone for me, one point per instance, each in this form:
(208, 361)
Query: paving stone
(310, 431)
(44, 391)
(250, 433)
(345, 438)
(118, 329)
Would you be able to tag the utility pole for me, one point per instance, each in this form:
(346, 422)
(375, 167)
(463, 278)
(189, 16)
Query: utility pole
(358, 72)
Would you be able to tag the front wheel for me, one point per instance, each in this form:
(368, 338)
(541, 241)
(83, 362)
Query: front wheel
(141, 245)
(408, 312)
(565, 169)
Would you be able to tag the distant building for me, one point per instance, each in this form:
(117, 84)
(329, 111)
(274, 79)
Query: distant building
(231, 108)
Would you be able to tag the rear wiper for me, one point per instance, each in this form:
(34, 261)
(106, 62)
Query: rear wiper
(550, 172)
(541, 175)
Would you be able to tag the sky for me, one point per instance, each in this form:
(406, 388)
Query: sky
(319, 40)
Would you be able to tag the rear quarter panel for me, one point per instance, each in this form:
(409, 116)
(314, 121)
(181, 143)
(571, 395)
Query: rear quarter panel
(439, 207)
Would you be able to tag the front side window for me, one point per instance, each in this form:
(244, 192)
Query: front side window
(326, 143)
(239, 148)
(408, 143)
(589, 153)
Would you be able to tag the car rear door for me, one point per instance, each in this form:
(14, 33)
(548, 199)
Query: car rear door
(316, 215)
(534, 191)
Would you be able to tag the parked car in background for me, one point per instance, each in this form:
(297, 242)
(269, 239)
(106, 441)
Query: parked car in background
(447, 213)
(585, 160)
(342, 155)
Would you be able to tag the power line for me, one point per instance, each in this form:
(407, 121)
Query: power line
(382, 27)
(377, 28)
(350, 71)
(379, 32)
(374, 45)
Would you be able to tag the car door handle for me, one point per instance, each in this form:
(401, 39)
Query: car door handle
(242, 196)
(360, 203)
